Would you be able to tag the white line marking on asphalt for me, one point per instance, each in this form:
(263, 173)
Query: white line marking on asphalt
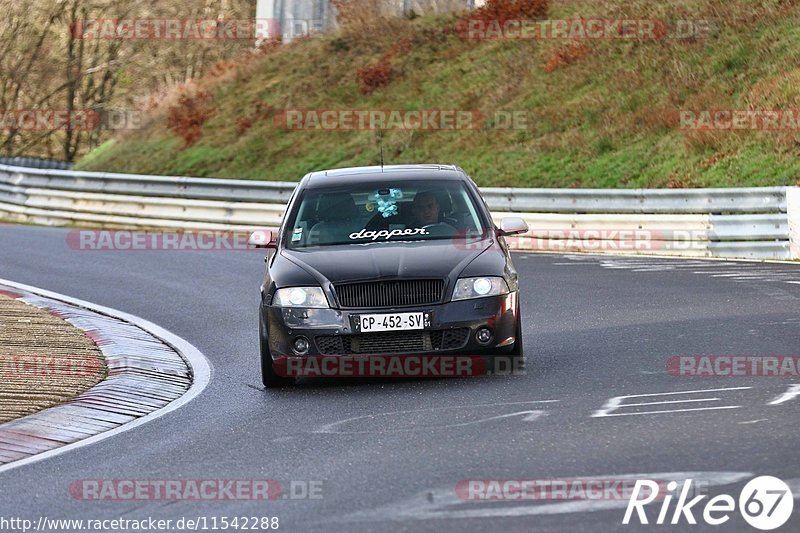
(792, 392)
(736, 271)
(444, 503)
(201, 371)
(615, 403)
(673, 410)
(794, 485)
(672, 401)
(532, 415)
(754, 421)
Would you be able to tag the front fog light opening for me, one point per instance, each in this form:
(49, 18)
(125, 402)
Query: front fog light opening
(483, 336)
(300, 346)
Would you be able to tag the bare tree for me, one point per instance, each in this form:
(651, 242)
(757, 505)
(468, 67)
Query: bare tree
(46, 65)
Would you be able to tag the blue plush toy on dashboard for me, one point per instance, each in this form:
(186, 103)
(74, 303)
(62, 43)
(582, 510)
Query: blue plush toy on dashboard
(386, 199)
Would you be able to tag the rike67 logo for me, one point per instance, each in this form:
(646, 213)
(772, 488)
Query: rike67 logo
(765, 503)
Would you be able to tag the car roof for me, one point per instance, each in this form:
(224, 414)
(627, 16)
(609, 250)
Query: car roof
(396, 173)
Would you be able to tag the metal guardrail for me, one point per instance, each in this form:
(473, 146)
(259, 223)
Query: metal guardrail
(719, 201)
(685, 201)
(755, 223)
(35, 162)
(142, 185)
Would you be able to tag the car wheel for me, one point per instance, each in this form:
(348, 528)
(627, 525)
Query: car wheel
(269, 377)
(517, 350)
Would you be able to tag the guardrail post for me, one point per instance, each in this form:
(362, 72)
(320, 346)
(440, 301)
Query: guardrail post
(793, 211)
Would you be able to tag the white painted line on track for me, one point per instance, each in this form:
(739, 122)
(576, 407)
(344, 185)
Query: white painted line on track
(684, 392)
(616, 402)
(672, 401)
(794, 484)
(200, 366)
(792, 392)
(588, 256)
(531, 416)
(672, 411)
(443, 503)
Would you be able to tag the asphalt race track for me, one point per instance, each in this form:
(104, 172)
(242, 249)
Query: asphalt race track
(389, 454)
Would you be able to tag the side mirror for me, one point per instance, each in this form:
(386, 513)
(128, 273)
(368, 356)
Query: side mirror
(263, 238)
(512, 226)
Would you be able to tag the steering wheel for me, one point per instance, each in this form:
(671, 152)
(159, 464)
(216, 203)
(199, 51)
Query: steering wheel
(440, 229)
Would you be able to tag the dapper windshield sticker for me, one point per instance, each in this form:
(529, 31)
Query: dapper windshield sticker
(297, 235)
(386, 200)
(386, 234)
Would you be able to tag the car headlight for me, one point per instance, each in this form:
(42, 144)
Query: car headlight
(467, 288)
(312, 297)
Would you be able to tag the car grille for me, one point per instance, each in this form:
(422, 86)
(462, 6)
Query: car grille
(397, 293)
(393, 342)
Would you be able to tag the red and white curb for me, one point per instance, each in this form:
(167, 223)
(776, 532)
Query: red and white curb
(151, 372)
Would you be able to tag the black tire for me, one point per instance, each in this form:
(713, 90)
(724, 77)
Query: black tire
(511, 358)
(517, 350)
(269, 377)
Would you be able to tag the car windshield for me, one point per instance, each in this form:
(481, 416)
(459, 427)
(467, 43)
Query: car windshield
(384, 212)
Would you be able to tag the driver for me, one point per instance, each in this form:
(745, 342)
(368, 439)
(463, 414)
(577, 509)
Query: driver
(425, 209)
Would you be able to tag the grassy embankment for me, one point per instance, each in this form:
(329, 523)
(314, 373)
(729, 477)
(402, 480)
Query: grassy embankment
(602, 113)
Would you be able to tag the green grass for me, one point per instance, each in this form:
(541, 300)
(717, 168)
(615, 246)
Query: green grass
(607, 120)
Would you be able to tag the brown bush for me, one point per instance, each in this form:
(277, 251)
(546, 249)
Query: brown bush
(566, 55)
(261, 110)
(495, 13)
(188, 116)
(373, 77)
(503, 10)
(243, 124)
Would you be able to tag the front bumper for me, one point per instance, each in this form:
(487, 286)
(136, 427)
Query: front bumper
(451, 329)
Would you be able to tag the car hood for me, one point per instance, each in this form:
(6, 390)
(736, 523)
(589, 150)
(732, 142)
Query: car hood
(375, 261)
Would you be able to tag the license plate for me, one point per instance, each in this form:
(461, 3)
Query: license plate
(392, 322)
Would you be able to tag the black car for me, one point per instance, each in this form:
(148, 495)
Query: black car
(388, 261)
